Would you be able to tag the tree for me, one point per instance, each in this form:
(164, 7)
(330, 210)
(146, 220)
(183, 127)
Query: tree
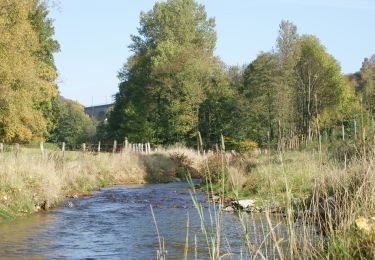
(73, 126)
(286, 45)
(43, 27)
(261, 88)
(320, 87)
(287, 38)
(219, 112)
(166, 79)
(367, 83)
(26, 80)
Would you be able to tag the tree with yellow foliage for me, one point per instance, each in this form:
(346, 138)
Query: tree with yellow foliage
(27, 71)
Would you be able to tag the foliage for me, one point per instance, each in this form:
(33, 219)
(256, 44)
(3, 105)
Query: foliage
(242, 146)
(220, 111)
(261, 89)
(366, 83)
(73, 126)
(214, 170)
(27, 71)
(320, 86)
(165, 80)
(173, 87)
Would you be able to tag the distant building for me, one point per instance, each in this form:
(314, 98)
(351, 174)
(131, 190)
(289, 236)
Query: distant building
(98, 112)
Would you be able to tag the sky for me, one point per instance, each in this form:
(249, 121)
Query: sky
(95, 34)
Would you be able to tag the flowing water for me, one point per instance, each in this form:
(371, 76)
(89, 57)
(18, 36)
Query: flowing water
(117, 223)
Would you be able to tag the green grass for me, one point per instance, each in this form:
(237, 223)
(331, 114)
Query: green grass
(267, 180)
(306, 181)
(6, 214)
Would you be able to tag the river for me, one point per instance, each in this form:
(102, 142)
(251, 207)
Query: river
(117, 223)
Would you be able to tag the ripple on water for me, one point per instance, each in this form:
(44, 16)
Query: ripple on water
(115, 223)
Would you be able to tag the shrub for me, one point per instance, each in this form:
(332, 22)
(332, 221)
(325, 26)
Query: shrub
(242, 146)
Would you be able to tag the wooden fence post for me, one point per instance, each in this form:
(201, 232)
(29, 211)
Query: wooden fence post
(84, 147)
(126, 144)
(16, 149)
(41, 145)
(114, 146)
(63, 148)
(1, 148)
(99, 147)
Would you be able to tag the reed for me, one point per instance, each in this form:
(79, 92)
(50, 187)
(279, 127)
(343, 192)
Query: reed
(321, 201)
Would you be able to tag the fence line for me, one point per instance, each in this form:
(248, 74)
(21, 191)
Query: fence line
(96, 148)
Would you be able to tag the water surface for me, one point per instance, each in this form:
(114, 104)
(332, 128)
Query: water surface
(116, 223)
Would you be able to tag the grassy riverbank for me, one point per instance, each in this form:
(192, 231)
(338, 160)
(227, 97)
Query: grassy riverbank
(31, 182)
(321, 198)
(333, 200)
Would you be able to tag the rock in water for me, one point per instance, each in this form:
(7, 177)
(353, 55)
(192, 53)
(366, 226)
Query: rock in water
(229, 209)
(244, 204)
(274, 207)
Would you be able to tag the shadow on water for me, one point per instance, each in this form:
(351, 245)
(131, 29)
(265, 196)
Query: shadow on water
(116, 223)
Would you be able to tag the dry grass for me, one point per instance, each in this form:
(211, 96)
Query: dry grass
(185, 156)
(320, 226)
(321, 199)
(31, 182)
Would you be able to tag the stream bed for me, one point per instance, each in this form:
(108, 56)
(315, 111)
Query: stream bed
(117, 223)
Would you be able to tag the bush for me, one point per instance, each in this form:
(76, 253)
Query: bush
(214, 169)
(241, 146)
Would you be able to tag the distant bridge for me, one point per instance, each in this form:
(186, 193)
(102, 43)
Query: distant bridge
(98, 112)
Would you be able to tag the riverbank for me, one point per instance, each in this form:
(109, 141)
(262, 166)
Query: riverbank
(31, 182)
(334, 199)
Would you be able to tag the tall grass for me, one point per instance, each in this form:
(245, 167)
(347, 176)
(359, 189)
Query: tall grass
(321, 199)
(30, 181)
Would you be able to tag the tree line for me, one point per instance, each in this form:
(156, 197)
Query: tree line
(173, 89)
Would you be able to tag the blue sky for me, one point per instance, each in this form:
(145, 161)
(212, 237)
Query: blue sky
(94, 35)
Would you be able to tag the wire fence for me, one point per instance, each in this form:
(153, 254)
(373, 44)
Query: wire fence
(83, 147)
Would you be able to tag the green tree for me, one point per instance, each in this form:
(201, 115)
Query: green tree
(320, 88)
(286, 45)
(73, 126)
(287, 39)
(219, 112)
(43, 27)
(367, 83)
(166, 79)
(262, 88)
